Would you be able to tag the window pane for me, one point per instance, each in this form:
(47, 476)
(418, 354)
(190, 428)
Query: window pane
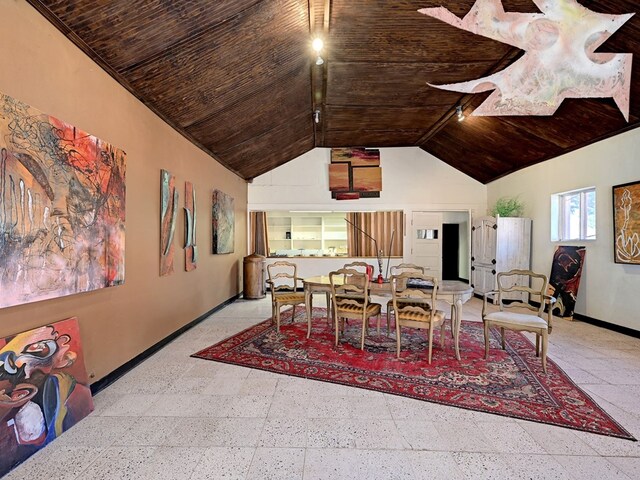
(571, 217)
(590, 204)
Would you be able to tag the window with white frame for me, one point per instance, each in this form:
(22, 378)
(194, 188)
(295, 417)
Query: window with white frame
(573, 215)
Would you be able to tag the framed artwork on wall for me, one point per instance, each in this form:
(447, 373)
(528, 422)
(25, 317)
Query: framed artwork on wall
(223, 223)
(62, 207)
(355, 173)
(168, 217)
(626, 223)
(190, 219)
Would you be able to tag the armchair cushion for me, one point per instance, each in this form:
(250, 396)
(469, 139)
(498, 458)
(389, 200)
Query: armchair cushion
(438, 316)
(520, 319)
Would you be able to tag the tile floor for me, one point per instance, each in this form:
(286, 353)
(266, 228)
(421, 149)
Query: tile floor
(176, 417)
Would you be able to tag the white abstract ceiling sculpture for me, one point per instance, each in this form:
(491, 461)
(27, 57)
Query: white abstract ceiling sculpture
(559, 61)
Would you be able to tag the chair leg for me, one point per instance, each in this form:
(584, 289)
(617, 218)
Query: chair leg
(278, 319)
(486, 340)
(442, 330)
(544, 351)
(365, 331)
(504, 346)
(537, 344)
(397, 339)
(430, 341)
(388, 320)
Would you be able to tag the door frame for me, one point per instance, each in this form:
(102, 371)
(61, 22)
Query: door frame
(464, 250)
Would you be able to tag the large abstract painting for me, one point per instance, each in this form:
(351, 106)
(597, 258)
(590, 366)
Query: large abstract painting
(355, 173)
(566, 270)
(626, 223)
(62, 207)
(559, 60)
(190, 247)
(43, 389)
(168, 217)
(223, 223)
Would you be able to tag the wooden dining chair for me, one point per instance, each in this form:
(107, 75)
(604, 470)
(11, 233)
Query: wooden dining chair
(510, 314)
(350, 300)
(283, 284)
(397, 270)
(415, 307)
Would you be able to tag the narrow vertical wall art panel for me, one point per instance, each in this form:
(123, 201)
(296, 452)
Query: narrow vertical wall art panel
(44, 389)
(190, 248)
(62, 207)
(168, 217)
(626, 223)
(223, 223)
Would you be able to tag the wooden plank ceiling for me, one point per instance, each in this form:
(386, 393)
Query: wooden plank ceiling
(238, 78)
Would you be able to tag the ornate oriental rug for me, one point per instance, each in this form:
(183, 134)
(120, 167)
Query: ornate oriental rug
(509, 383)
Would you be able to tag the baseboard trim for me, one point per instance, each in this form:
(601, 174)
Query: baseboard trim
(108, 379)
(609, 326)
(598, 323)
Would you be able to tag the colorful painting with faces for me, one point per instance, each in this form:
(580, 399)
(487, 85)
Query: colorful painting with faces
(43, 389)
(62, 207)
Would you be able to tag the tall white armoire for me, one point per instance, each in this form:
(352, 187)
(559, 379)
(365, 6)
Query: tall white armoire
(499, 244)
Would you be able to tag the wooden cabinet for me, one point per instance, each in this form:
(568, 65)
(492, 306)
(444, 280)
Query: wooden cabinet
(498, 245)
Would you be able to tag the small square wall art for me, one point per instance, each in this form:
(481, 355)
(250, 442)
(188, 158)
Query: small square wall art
(355, 173)
(223, 223)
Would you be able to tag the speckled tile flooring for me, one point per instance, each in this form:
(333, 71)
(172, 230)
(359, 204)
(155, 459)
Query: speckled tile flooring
(176, 417)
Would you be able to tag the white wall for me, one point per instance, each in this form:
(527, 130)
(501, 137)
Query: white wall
(608, 291)
(412, 180)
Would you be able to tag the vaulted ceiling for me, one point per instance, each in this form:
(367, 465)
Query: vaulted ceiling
(239, 79)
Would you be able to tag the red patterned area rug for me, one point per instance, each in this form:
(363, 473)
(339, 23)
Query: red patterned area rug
(510, 383)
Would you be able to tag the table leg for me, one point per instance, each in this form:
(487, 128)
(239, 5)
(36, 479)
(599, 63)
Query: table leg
(458, 316)
(308, 303)
(329, 307)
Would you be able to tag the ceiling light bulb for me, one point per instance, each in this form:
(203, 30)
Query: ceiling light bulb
(319, 60)
(316, 116)
(317, 44)
(459, 113)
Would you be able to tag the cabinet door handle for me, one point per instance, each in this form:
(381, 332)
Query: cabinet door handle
(493, 261)
(493, 272)
(473, 259)
(473, 269)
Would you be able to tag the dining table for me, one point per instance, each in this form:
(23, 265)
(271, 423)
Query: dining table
(453, 292)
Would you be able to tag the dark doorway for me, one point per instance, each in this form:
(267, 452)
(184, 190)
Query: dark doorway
(450, 247)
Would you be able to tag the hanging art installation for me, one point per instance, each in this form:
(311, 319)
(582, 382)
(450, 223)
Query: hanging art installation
(223, 223)
(559, 60)
(62, 207)
(44, 389)
(190, 248)
(168, 216)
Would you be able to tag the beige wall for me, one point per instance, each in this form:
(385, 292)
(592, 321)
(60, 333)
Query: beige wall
(39, 66)
(608, 291)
